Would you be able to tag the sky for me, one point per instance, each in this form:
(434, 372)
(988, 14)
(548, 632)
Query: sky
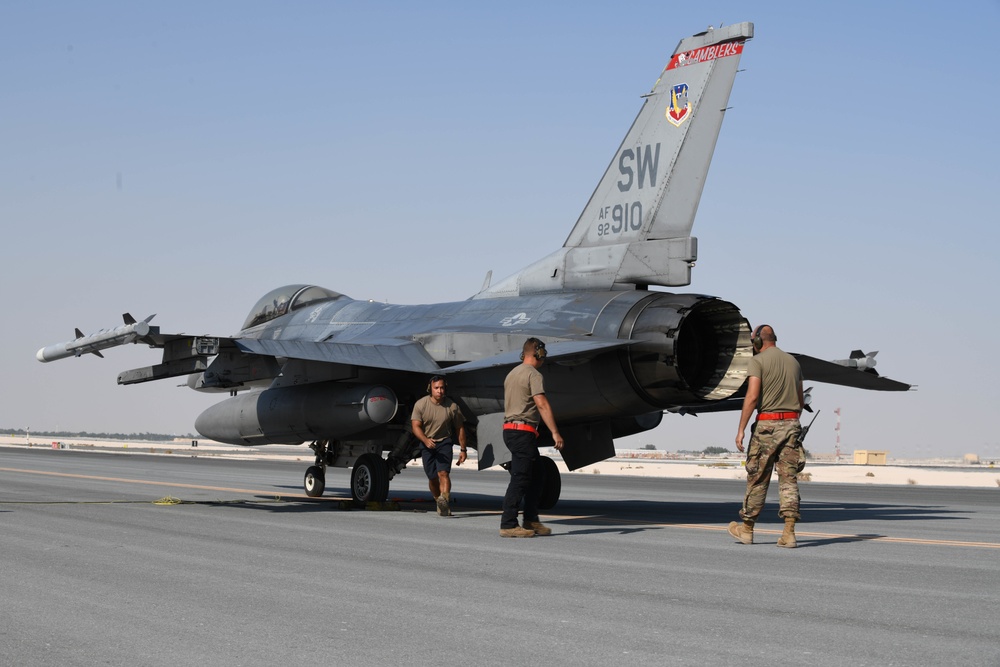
(185, 158)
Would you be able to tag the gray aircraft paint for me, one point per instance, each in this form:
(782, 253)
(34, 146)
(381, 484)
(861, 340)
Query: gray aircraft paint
(636, 228)
(317, 365)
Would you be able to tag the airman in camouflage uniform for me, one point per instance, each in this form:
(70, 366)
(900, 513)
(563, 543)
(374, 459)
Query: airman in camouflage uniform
(773, 446)
(774, 390)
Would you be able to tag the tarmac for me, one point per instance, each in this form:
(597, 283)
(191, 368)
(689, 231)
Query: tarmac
(934, 472)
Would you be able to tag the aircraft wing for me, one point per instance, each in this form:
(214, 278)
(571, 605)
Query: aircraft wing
(405, 355)
(832, 372)
(559, 350)
(390, 353)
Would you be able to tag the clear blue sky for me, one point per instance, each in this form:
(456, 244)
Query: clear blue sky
(184, 158)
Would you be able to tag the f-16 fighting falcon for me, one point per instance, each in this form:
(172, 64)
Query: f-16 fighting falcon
(311, 365)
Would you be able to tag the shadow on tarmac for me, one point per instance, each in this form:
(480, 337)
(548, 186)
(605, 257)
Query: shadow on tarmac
(616, 516)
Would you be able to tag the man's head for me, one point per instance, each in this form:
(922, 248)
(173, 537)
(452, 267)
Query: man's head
(763, 337)
(436, 387)
(533, 352)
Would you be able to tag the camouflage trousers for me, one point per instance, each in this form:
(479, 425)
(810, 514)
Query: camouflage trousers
(773, 448)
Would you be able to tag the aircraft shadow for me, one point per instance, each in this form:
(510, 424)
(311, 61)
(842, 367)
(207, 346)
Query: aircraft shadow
(623, 516)
(827, 512)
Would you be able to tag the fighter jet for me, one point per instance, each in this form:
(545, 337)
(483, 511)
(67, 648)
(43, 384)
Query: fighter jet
(311, 365)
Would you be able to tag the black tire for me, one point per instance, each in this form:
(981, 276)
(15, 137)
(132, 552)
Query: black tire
(370, 480)
(314, 482)
(551, 483)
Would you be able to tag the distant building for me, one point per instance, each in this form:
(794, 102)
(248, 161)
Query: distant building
(868, 457)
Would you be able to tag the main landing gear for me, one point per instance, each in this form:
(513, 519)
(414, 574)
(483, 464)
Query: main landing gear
(371, 474)
(370, 479)
(551, 483)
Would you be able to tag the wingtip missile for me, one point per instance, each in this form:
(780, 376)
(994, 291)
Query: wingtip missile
(861, 360)
(128, 319)
(129, 332)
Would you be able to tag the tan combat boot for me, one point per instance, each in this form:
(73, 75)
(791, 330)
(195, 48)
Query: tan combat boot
(787, 538)
(443, 504)
(516, 531)
(743, 532)
(540, 528)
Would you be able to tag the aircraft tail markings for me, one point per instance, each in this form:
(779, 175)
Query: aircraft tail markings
(636, 227)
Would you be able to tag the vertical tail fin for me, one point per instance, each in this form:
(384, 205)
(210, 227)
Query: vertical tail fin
(635, 230)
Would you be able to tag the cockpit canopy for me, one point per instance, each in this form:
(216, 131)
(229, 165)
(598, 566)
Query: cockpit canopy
(285, 299)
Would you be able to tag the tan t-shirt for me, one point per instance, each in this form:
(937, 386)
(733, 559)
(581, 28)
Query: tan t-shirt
(521, 385)
(438, 421)
(780, 376)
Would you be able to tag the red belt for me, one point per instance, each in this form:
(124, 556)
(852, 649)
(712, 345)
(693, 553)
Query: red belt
(763, 416)
(519, 426)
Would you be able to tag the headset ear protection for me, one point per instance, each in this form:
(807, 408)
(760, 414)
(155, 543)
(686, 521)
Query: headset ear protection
(437, 378)
(540, 351)
(755, 338)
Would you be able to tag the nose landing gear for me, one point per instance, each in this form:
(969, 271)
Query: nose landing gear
(369, 478)
(314, 481)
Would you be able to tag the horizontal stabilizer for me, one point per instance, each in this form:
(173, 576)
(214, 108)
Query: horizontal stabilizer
(831, 372)
(732, 403)
(725, 405)
(393, 354)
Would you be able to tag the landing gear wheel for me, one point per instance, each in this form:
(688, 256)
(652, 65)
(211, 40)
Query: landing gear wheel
(551, 483)
(370, 480)
(314, 482)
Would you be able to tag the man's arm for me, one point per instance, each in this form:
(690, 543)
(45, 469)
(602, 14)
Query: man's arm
(461, 444)
(418, 431)
(749, 405)
(545, 410)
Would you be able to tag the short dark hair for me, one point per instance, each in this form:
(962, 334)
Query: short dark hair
(436, 378)
(534, 346)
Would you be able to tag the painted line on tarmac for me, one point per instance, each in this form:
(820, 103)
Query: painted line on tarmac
(179, 485)
(898, 540)
(690, 526)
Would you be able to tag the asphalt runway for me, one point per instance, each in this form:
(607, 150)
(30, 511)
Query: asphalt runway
(102, 565)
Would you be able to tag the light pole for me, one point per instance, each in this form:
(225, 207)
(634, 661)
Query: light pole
(837, 429)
